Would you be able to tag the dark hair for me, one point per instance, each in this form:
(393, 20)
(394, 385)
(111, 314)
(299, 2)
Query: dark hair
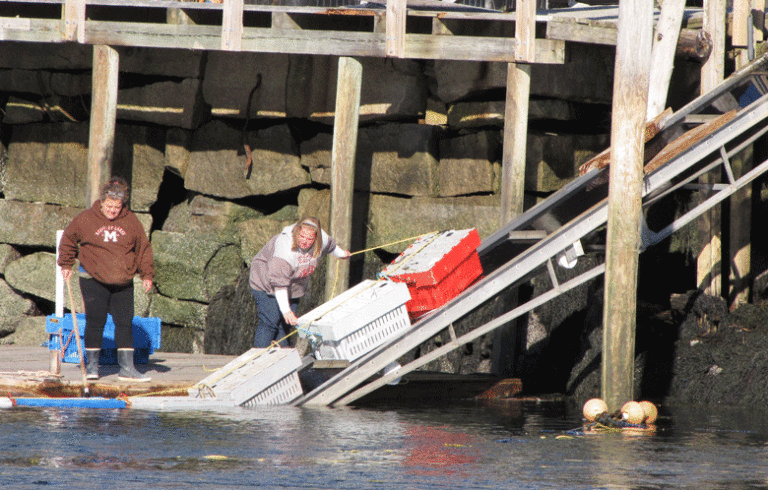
(309, 222)
(116, 188)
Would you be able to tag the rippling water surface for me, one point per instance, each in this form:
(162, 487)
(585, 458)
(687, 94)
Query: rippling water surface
(516, 445)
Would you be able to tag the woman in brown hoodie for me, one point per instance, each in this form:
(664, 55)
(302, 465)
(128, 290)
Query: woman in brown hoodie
(112, 247)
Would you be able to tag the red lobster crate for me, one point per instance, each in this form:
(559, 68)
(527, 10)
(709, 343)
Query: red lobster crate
(436, 268)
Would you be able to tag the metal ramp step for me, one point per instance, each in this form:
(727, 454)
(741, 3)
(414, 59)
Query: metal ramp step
(577, 214)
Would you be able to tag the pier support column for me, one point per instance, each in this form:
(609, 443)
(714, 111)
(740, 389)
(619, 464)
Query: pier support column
(347, 114)
(630, 99)
(709, 262)
(740, 219)
(506, 339)
(509, 339)
(101, 137)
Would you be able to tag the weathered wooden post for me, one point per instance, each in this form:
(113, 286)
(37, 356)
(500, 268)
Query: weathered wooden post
(232, 25)
(630, 98)
(744, 38)
(663, 55)
(101, 136)
(514, 152)
(708, 275)
(347, 115)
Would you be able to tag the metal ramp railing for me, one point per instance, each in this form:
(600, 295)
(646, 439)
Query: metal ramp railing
(570, 220)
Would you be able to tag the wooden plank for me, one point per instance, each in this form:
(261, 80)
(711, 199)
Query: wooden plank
(232, 25)
(603, 158)
(395, 32)
(418, 46)
(74, 20)
(758, 26)
(282, 20)
(525, 31)
(345, 125)
(689, 139)
(630, 101)
(581, 33)
(178, 17)
(440, 27)
(741, 11)
(663, 56)
(713, 70)
(101, 136)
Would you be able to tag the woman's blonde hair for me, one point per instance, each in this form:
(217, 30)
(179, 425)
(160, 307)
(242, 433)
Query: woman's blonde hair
(309, 222)
(116, 188)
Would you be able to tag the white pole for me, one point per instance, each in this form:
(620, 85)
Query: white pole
(59, 279)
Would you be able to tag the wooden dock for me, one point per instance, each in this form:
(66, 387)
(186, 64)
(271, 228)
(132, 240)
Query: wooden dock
(24, 373)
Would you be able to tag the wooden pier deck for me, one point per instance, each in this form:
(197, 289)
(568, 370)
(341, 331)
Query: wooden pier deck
(24, 373)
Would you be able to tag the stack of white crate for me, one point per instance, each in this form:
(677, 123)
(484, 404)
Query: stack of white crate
(258, 377)
(358, 320)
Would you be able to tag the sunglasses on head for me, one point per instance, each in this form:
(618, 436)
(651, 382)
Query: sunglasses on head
(116, 195)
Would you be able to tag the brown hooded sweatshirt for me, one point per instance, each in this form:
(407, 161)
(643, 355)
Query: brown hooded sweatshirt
(111, 252)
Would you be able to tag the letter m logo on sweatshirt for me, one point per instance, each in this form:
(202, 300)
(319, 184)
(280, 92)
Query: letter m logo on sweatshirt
(110, 236)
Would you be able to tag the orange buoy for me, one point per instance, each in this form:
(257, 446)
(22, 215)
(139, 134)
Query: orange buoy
(633, 413)
(594, 408)
(650, 410)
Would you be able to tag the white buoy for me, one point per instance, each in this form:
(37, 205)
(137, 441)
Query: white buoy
(650, 410)
(633, 413)
(594, 408)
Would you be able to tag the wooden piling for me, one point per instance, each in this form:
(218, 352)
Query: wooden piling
(740, 217)
(348, 88)
(709, 262)
(101, 137)
(514, 151)
(630, 98)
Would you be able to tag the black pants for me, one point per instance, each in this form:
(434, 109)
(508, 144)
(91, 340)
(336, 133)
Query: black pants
(102, 299)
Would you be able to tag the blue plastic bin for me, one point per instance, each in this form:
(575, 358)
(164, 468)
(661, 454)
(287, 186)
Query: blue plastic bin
(146, 338)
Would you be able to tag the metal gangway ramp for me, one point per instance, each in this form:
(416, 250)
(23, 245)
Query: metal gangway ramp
(573, 219)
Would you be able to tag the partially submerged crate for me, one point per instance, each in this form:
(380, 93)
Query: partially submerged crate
(358, 320)
(436, 268)
(146, 338)
(258, 377)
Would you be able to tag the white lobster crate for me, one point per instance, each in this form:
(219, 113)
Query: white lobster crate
(358, 320)
(258, 377)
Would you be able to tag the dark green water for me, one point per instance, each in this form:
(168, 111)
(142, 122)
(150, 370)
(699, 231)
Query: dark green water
(516, 446)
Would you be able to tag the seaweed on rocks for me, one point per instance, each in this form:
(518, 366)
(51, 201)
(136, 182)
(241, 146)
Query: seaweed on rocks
(232, 318)
(721, 355)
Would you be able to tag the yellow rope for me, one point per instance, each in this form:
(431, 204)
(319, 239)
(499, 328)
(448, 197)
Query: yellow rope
(336, 272)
